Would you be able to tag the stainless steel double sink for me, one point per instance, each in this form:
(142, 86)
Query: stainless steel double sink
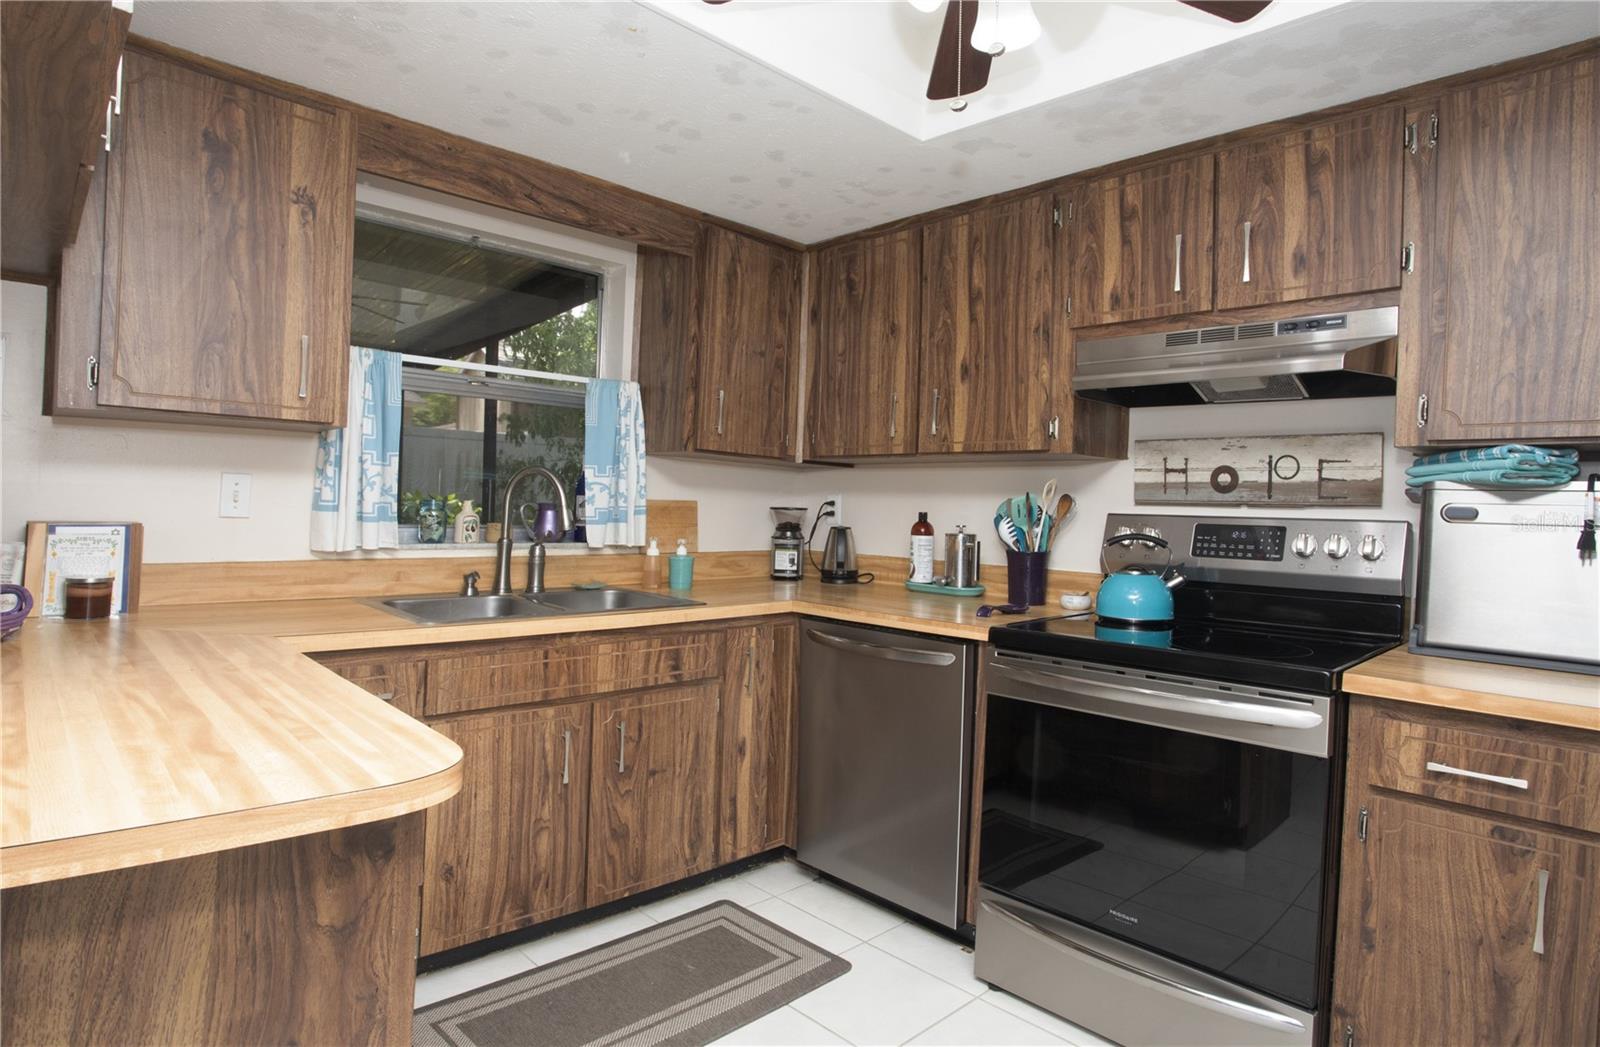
(446, 609)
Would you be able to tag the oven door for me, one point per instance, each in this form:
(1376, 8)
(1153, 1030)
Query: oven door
(1180, 818)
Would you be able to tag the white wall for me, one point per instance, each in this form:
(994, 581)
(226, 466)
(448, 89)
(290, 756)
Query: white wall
(882, 501)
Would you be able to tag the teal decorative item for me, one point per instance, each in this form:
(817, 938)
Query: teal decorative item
(431, 519)
(945, 590)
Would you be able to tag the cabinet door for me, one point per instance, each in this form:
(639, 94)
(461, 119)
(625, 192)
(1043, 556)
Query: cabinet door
(507, 851)
(229, 230)
(1311, 213)
(867, 301)
(652, 790)
(1515, 255)
(398, 681)
(1141, 243)
(750, 305)
(758, 740)
(666, 306)
(1455, 928)
(987, 346)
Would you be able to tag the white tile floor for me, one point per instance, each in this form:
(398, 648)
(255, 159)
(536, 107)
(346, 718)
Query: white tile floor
(906, 983)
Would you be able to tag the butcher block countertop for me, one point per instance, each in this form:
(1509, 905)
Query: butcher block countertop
(1540, 695)
(188, 729)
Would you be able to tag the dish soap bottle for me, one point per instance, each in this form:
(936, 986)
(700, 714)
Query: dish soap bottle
(468, 524)
(680, 567)
(652, 565)
(922, 550)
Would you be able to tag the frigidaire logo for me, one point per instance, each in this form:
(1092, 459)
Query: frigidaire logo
(1124, 917)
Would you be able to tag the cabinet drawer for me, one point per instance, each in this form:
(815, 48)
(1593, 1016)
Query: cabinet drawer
(397, 682)
(1542, 774)
(552, 668)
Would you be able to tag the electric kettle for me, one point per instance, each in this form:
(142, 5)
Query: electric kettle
(839, 558)
(1136, 596)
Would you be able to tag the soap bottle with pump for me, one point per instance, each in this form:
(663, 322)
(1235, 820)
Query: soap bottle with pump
(922, 550)
(652, 565)
(680, 567)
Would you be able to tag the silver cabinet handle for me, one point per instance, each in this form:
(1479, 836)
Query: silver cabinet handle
(894, 415)
(1538, 918)
(1246, 277)
(1462, 772)
(305, 363)
(884, 651)
(111, 107)
(935, 430)
(566, 756)
(622, 746)
(722, 399)
(387, 696)
(750, 667)
(1177, 264)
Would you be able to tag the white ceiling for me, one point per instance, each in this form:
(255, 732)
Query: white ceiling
(625, 92)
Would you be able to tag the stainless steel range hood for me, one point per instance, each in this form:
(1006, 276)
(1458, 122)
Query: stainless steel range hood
(1316, 356)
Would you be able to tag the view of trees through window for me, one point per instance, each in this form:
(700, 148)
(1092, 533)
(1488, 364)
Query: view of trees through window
(465, 432)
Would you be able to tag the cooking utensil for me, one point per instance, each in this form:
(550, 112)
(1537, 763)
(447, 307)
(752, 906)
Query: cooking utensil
(1047, 499)
(985, 610)
(1007, 529)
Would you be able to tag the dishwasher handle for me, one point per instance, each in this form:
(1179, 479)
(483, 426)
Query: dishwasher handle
(887, 652)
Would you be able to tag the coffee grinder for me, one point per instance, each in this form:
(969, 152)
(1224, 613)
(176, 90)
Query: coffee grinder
(788, 543)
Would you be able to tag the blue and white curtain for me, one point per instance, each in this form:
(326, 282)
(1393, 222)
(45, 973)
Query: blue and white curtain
(355, 498)
(613, 507)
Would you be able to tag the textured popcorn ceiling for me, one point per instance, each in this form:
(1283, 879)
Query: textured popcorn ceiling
(625, 92)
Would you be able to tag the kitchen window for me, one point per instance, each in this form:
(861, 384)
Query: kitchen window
(500, 321)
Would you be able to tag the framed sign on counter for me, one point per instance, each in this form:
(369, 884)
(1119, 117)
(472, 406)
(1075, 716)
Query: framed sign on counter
(57, 550)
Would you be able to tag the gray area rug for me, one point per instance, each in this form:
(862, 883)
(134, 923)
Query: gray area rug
(687, 981)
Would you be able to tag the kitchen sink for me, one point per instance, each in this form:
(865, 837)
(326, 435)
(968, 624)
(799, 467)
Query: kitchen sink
(451, 610)
(593, 601)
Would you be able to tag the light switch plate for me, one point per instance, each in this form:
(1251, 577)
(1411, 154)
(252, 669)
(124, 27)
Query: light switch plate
(235, 499)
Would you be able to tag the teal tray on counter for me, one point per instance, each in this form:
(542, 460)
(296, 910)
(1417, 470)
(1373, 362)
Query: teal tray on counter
(945, 590)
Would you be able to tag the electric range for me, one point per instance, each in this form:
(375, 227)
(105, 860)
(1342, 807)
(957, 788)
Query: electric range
(1160, 803)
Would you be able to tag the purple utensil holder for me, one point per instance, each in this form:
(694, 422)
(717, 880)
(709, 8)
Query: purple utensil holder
(1025, 573)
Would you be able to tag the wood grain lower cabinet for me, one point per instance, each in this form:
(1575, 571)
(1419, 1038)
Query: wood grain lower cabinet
(508, 850)
(652, 790)
(758, 740)
(397, 680)
(1459, 924)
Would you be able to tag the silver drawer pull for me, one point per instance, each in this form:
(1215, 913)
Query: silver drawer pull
(387, 696)
(622, 747)
(1538, 919)
(1462, 772)
(566, 756)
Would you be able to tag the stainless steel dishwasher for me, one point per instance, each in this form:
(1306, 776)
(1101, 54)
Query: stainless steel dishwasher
(885, 763)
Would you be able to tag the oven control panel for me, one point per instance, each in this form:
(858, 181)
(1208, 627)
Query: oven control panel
(1238, 541)
(1348, 555)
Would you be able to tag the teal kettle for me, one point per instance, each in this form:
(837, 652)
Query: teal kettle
(1137, 596)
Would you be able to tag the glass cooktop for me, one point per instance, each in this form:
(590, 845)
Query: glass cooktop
(1297, 660)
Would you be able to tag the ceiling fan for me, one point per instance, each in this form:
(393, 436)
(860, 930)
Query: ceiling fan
(990, 29)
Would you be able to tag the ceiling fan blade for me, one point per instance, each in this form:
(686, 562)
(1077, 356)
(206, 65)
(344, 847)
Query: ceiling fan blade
(953, 41)
(1231, 10)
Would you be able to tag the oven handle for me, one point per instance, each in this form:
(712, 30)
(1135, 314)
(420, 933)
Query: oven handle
(1215, 708)
(1236, 1008)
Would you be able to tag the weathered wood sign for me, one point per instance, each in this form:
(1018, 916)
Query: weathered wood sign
(1334, 469)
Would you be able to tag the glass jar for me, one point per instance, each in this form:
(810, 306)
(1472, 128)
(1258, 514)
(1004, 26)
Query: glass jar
(87, 597)
(431, 519)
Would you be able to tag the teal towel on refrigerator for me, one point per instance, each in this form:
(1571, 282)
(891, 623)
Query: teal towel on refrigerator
(1507, 465)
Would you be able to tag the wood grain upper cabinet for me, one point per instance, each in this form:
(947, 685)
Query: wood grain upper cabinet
(1507, 264)
(866, 301)
(1458, 924)
(667, 361)
(507, 851)
(1311, 213)
(988, 338)
(758, 739)
(1141, 243)
(229, 227)
(747, 346)
(652, 791)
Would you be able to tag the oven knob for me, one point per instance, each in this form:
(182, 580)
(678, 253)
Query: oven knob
(1372, 547)
(1304, 545)
(1337, 546)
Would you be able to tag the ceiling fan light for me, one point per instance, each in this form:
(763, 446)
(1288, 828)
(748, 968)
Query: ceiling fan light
(1005, 25)
(927, 7)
